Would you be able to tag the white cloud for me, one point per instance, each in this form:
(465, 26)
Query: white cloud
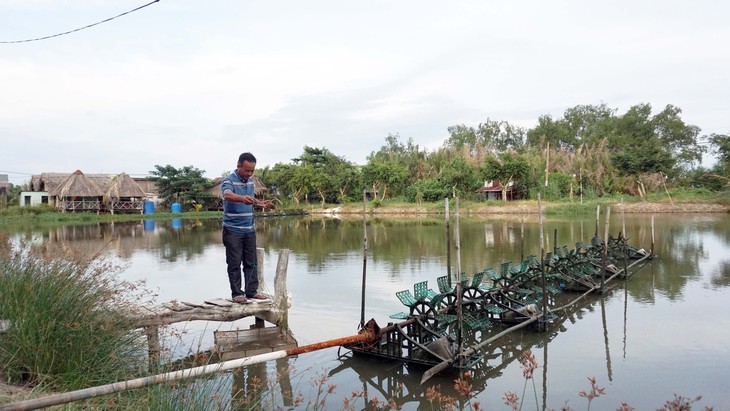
(191, 83)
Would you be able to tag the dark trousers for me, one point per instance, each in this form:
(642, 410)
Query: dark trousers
(241, 250)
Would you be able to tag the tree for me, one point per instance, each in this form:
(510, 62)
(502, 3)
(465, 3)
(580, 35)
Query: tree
(460, 177)
(180, 185)
(385, 175)
(317, 172)
(489, 137)
(506, 168)
(637, 147)
(720, 146)
(583, 124)
(678, 137)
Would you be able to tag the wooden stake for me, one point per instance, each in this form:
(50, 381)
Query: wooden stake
(457, 243)
(547, 163)
(652, 235)
(542, 257)
(448, 241)
(605, 248)
(364, 259)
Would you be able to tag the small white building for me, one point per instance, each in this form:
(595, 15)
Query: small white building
(32, 198)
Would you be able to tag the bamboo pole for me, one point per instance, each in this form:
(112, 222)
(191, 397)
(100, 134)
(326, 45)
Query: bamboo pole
(459, 291)
(83, 394)
(448, 241)
(623, 234)
(522, 238)
(542, 257)
(364, 259)
(547, 163)
(652, 235)
(605, 248)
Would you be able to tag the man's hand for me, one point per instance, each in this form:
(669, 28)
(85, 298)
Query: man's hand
(248, 200)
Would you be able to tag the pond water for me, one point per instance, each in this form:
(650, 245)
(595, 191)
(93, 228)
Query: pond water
(663, 331)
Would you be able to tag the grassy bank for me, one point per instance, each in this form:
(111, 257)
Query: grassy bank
(679, 201)
(68, 327)
(674, 201)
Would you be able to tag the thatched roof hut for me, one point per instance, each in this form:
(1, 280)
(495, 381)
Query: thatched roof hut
(123, 186)
(47, 181)
(76, 185)
(50, 181)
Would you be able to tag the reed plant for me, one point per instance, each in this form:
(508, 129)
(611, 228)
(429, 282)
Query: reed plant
(69, 326)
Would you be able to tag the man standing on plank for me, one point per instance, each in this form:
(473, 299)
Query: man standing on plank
(239, 231)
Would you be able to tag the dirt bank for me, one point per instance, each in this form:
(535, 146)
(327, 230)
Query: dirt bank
(526, 208)
(10, 393)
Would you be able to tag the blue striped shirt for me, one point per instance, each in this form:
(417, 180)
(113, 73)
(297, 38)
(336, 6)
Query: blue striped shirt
(238, 217)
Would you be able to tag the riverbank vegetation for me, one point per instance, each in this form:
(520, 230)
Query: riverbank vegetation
(66, 327)
(591, 152)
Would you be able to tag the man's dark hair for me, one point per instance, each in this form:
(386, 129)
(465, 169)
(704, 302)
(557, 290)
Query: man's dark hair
(246, 157)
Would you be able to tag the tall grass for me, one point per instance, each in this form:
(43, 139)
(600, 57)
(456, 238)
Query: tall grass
(68, 328)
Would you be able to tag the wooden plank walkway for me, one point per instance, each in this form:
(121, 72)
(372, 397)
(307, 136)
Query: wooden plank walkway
(222, 309)
(274, 311)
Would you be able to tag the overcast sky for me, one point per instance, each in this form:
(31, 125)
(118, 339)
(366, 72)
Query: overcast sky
(185, 82)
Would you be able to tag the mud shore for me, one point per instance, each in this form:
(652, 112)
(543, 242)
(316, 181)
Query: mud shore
(527, 208)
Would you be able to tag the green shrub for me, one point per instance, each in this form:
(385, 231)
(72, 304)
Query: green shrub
(68, 327)
(428, 190)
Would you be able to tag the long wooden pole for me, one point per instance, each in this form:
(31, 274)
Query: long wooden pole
(542, 257)
(522, 238)
(547, 163)
(459, 291)
(67, 397)
(364, 259)
(448, 241)
(623, 235)
(652, 235)
(605, 248)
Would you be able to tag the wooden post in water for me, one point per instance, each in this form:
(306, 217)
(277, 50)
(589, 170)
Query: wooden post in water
(281, 295)
(459, 313)
(448, 242)
(598, 213)
(542, 258)
(153, 345)
(364, 259)
(623, 237)
(652, 235)
(605, 249)
(522, 238)
(259, 322)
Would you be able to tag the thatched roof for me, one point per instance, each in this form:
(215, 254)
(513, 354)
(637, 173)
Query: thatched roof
(77, 185)
(50, 181)
(123, 186)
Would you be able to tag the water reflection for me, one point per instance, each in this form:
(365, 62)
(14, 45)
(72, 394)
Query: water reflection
(647, 331)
